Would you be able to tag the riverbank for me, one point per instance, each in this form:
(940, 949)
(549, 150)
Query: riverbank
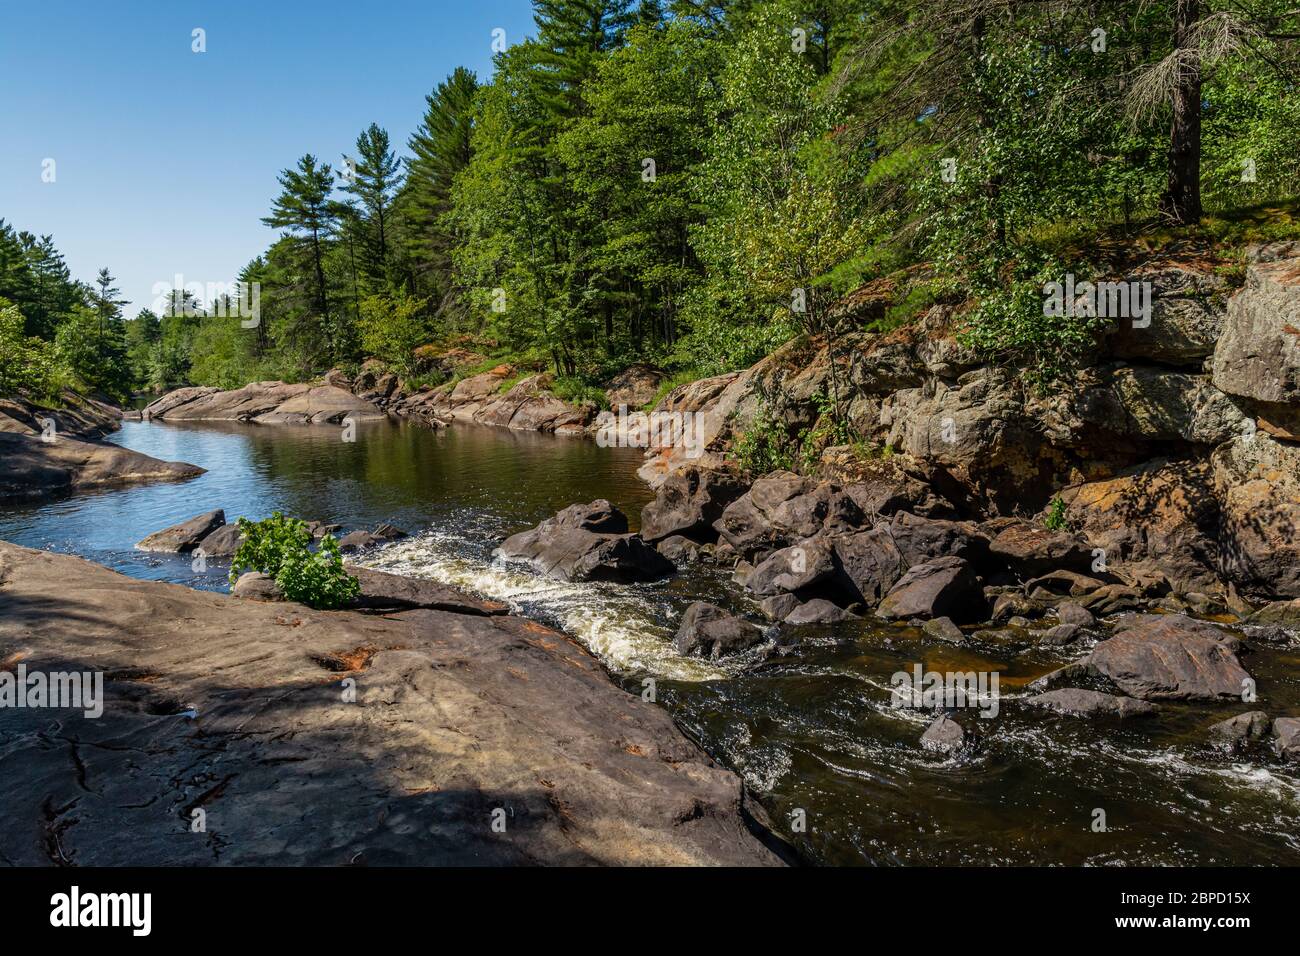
(243, 711)
(52, 451)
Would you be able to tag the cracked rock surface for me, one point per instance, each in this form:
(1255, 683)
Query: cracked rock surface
(244, 711)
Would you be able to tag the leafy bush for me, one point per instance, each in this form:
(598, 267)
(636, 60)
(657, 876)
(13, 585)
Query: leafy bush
(281, 548)
(392, 327)
(1055, 520)
(27, 364)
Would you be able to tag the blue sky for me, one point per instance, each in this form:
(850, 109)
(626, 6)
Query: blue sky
(166, 159)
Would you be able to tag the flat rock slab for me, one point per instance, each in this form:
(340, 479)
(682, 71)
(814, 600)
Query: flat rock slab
(267, 403)
(1171, 657)
(38, 469)
(381, 591)
(243, 710)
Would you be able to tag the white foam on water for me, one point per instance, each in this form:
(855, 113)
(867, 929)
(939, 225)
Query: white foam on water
(610, 620)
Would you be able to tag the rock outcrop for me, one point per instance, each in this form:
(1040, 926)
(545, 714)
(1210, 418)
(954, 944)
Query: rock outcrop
(420, 737)
(46, 453)
(588, 543)
(264, 403)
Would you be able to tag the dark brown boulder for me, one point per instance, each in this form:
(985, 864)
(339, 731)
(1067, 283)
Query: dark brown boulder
(1286, 738)
(1171, 657)
(383, 593)
(1077, 702)
(223, 542)
(945, 587)
(869, 563)
(566, 547)
(186, 536)
(688, 503)
(797, 569)
(1236, 732)
(1032, 551)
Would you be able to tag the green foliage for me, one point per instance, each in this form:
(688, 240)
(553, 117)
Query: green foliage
(392, 327)
(766, 446)
(280, 547)
(1055, 520)
(27, 364)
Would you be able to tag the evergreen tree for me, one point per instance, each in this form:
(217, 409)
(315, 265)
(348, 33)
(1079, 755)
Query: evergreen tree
(373, 183)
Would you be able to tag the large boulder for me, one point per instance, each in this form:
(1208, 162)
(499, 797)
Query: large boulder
(944, 587)
(1258, 355)
(1236, 732)
(1031, 551)
(580, 544)
(782, 508)
(1286, 737)
(1257, 483)
(186, 536)
(456, 720)
(384, 593)
(223, 542)
(1161, 517)
(266, 403)
(688, 503)
(802, 569)
(1187, 315)
(1171, 657)
(713, 632)
(869, 564)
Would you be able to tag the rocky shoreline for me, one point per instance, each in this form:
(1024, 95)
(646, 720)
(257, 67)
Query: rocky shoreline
(48, 452)
(425, 729)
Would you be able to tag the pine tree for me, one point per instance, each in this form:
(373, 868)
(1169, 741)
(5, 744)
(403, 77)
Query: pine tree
(304, 208)
(441, 148)
(374, 182)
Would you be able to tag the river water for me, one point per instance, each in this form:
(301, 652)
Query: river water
(838, 769)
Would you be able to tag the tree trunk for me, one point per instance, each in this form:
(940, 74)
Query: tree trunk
(1182, 199)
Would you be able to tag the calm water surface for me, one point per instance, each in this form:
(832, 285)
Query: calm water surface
(813, 732)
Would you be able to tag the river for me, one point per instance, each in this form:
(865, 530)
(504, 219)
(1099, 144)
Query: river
(812, 734)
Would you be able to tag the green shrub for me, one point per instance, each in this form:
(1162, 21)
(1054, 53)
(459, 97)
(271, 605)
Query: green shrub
(281, 548)
(27, 364)
(1055, 520)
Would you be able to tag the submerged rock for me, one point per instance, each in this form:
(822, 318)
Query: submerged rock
(944, 735)
(1078, 702)
(943, 629)
(1235, 732)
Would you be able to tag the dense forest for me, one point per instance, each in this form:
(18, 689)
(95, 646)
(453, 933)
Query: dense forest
(690, 184)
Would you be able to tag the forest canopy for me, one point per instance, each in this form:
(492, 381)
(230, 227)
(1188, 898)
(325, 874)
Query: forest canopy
(691, 184)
